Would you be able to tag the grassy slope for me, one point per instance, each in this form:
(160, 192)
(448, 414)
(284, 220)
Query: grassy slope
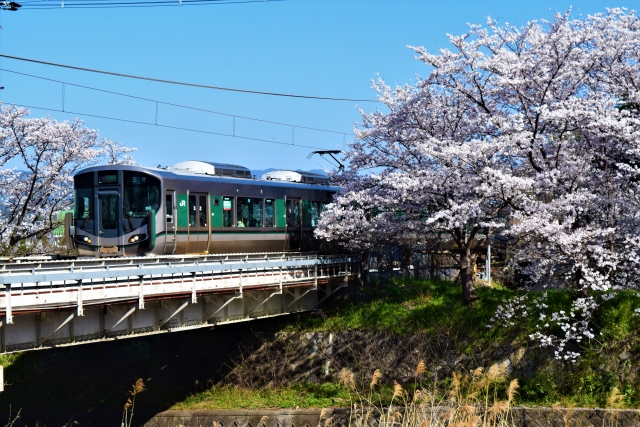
(434, 308)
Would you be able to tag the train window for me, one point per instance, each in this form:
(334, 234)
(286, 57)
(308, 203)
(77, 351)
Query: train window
(108, 212)
(227, 211)
(202, 210)
(269, 213)
(306, 213)
(310, 213)
(168, 207)
(249, 212)
(84, 203)
(315, 213)
(141, 194)
(293, 213)
(216, 201)
(192, 210)
(83, 184)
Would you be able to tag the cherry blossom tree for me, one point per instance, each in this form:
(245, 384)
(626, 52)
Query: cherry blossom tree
(531, 134)
(44, 154)
(434, 179)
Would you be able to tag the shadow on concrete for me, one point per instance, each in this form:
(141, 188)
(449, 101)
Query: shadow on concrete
(88, 385)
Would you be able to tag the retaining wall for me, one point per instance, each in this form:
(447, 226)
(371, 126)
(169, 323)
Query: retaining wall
(522, 417)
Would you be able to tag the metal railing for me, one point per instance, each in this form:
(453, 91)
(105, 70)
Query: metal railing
(55, 285)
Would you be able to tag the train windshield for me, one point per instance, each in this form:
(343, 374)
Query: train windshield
(141, 194)
(83, 184)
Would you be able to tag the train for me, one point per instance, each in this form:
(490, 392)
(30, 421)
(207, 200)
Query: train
(195, 207)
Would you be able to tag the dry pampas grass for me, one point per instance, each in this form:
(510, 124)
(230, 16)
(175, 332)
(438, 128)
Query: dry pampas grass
(376, 377)
(397, 389)
(347, 378)
(482, 397)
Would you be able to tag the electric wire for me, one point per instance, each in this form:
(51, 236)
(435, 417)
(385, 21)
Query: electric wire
(138, 4)
(51, 3)
(166, 126)
(97, 4)
(130, 76)
(173, 104)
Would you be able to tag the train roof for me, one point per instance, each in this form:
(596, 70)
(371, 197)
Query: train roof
(211, 168)
(296, 176)
(193, 176)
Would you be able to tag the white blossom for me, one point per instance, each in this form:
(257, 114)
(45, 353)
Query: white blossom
(530, 135)
(49, 152)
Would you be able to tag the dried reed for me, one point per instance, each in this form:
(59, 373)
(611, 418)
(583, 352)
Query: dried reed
(478, 399)
(376, 377)
(127, 415)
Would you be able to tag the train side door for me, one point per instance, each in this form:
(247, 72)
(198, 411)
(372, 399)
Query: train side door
(108, 215)
(198, 223)
(294, 224)
(170, 219)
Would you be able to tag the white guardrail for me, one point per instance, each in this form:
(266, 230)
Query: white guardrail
(32, 286)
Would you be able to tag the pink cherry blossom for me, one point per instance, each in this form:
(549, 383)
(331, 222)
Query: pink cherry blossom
(528, 136)
(49, 152)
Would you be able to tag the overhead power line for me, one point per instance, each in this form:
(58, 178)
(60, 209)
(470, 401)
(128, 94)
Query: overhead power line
(166, 126)
(234, 116)
(70, 4)
(110, 73)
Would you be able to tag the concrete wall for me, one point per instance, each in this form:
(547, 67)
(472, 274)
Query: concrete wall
(522, 417)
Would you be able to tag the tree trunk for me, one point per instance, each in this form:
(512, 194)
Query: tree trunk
(365, 268)
(432, 266)
(469, 294)
(405, 262)
(416, 266)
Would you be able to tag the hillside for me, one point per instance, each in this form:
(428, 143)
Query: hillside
(294, 361)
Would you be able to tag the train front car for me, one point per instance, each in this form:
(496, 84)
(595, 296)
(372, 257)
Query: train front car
(195, 207)
(115, 211)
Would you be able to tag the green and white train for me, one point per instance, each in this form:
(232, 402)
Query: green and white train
(195, 207)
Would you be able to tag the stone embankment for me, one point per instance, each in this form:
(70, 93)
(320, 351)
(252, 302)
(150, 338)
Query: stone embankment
(522, 417)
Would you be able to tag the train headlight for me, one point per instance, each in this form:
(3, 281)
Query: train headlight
(137, 238)
(83, 239)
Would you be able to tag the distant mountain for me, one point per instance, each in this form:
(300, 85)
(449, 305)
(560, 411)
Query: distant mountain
(259, 172)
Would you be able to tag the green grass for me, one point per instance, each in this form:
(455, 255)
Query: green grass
(296, 396)
(410, 306)
(7, 360)
(404, 307)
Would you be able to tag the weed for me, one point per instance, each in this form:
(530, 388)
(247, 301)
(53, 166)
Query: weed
(12, 420)
(127, 415)
(388, 328)
(305, 395)
(481, 398)
(7, 360)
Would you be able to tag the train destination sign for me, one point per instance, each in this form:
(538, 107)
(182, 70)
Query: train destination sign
(108, 178)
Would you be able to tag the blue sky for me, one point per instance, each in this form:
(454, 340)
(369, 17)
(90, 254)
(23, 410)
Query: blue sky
(330, 48)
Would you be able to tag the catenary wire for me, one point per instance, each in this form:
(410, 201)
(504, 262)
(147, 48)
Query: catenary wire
(137, 4)
(166, 126)
(51, 3)
(48, 4)
(174, 105)
(110, 73)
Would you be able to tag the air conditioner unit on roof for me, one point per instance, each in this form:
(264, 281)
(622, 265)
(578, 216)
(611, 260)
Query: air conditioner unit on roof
(296, 176)
(212, 168)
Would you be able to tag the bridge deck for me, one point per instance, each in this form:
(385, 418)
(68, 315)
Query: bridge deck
(48, 303)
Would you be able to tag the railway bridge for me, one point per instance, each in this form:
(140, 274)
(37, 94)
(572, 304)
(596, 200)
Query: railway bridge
(46, 303)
